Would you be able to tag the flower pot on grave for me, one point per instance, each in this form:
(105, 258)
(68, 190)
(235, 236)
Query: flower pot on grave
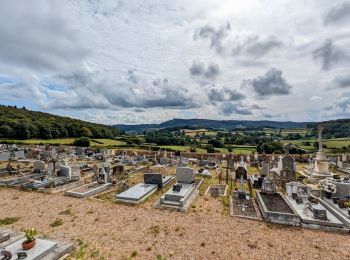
(28, 245)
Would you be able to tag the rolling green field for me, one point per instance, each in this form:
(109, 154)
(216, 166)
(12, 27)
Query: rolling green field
(64, 141)
(335, 143)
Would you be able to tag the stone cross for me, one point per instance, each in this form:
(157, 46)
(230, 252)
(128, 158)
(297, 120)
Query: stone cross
(320, 129)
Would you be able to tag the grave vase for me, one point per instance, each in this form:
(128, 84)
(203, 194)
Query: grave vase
(28, 245)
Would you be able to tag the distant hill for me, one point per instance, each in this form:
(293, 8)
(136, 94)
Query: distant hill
(335, 128)
(211, 124)
(20, 123)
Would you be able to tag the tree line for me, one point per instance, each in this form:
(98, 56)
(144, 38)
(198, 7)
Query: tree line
(20, 123)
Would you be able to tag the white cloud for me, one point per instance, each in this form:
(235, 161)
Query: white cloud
(129, 61)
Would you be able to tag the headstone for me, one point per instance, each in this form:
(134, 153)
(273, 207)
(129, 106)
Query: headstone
(65, 171)
(344, 157)
(75, 173)
(185, 175)
(264, 169)
(241, 171)
(288, 162)
(39, 166)
(153, 178)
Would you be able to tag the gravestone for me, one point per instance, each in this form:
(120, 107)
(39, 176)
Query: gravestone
(65, 171)
(185, 175)
(153, 178)
(39, 166)
(75, 173)
(241, 171)
(288, 162)
(264, 169)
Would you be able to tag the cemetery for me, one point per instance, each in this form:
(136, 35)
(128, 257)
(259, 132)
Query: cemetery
(265, 188)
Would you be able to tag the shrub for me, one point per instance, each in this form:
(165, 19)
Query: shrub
(82, 142)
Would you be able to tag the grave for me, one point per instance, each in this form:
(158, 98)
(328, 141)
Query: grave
(42, 248)
(39, 166)
(217, 190)
(320, 169)
(203, 173)
(182, 194)
(103, 183)
(137, 194)
(241, 194)
(141, 191)
(312, 213)
(274, 207)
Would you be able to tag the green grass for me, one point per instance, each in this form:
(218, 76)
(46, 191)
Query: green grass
(66, 141)
(56, 223)
(8, 221)
(334, 143)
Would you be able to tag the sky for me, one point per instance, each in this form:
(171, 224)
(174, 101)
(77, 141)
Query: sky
(133, 61)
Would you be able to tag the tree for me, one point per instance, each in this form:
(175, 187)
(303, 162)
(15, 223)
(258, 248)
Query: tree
(82, 141)
(85, 131)
(216, 143)
(210, 148)
(229, 149)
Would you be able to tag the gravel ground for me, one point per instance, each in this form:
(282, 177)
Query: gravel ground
(116, 231)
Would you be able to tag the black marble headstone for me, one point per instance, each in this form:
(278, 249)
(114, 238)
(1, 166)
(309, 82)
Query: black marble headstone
(153, 178)
(241, 171)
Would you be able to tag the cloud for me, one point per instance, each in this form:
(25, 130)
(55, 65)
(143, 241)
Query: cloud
(328, 55)
(224, 94)
(271, 84)
(337, 13)
(315, 98)
(255, 47)
(209, 72)
(41, 40)
(229, 108)
(214, 35)
(85, 89)
(342, 81)
(132, 77)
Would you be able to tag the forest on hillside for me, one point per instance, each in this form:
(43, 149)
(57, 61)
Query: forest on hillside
(20, 123)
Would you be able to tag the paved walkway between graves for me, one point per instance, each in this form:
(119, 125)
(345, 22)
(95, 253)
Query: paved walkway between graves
(115, 231)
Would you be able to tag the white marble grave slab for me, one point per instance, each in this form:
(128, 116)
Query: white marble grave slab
(41, 248)
(137, 192)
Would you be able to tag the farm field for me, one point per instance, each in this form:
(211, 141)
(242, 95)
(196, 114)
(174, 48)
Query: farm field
(64, 141)
(330, 143)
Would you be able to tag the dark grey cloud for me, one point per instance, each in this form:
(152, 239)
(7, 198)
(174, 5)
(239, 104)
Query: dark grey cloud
(328, 55)
(214, 35)
(229, 108)
(342, 81)
(339, 12)
(209, 72)
(39, 40)
(271, 84)
(256, 47)
(224, 94)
